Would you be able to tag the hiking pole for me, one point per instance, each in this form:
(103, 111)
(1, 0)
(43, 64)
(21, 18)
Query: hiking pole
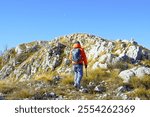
(86, 72)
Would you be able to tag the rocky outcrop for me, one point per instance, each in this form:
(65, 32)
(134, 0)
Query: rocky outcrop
(137, 71)
(31, 60)
(101, 46)
(26, 60)
(134, 52)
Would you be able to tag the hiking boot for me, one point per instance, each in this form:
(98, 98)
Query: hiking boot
(75, 85)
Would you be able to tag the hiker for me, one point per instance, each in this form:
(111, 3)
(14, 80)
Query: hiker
(78, 57)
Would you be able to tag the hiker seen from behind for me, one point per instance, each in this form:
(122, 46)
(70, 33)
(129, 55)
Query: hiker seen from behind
(78, 58)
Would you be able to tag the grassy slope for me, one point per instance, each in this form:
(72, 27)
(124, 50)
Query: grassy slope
(64, 87)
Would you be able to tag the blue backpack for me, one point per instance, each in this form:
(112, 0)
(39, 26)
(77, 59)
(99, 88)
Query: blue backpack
(76, 54)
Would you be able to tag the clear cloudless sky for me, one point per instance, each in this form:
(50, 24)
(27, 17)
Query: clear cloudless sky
(23, 21)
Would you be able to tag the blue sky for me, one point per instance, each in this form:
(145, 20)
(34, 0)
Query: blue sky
(23, 21)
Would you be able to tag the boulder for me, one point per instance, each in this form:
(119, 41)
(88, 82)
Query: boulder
(109, 59)
(20, 49)
(126, 75)
(134, 52)
(99, 65)
(101, 46)
(141, 71)
(137, 71)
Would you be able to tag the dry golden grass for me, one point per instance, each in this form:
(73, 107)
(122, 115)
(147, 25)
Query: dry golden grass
(143, 82)
(146, 62)
(44, 77)
(142, 93)
(21, 90)
(141, 87)
(21, 94)
(7, 87)
(96, 75)
(67, 80)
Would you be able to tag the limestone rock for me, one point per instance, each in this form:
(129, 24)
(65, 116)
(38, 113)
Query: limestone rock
(141, 71)
(5, 72)
(137, 71)
(99, 65)
(109, 59)
(28, 59)
(126, 75)
(101, 46)
(134, 52)
(20, 49)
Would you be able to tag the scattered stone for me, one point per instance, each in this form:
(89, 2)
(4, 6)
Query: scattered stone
(60, 97)
(83, 90)
(91, 84)
(123, 89)
(124, 96)
(100, 89)
(56, 78)
(50, 95)
(2, 96)
(137, 98)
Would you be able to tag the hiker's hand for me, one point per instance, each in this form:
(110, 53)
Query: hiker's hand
(85, 66)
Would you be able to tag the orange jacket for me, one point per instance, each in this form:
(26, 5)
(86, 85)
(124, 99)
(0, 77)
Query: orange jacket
(84, 59)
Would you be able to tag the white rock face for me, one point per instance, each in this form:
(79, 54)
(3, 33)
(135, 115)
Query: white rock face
(99, 65)
(109, 59)
(101, 46)
(19, 50)
(137, 71)
(134, 52)
(126, 75)
(142, 71)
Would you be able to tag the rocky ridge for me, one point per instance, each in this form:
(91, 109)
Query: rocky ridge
(28, 61)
